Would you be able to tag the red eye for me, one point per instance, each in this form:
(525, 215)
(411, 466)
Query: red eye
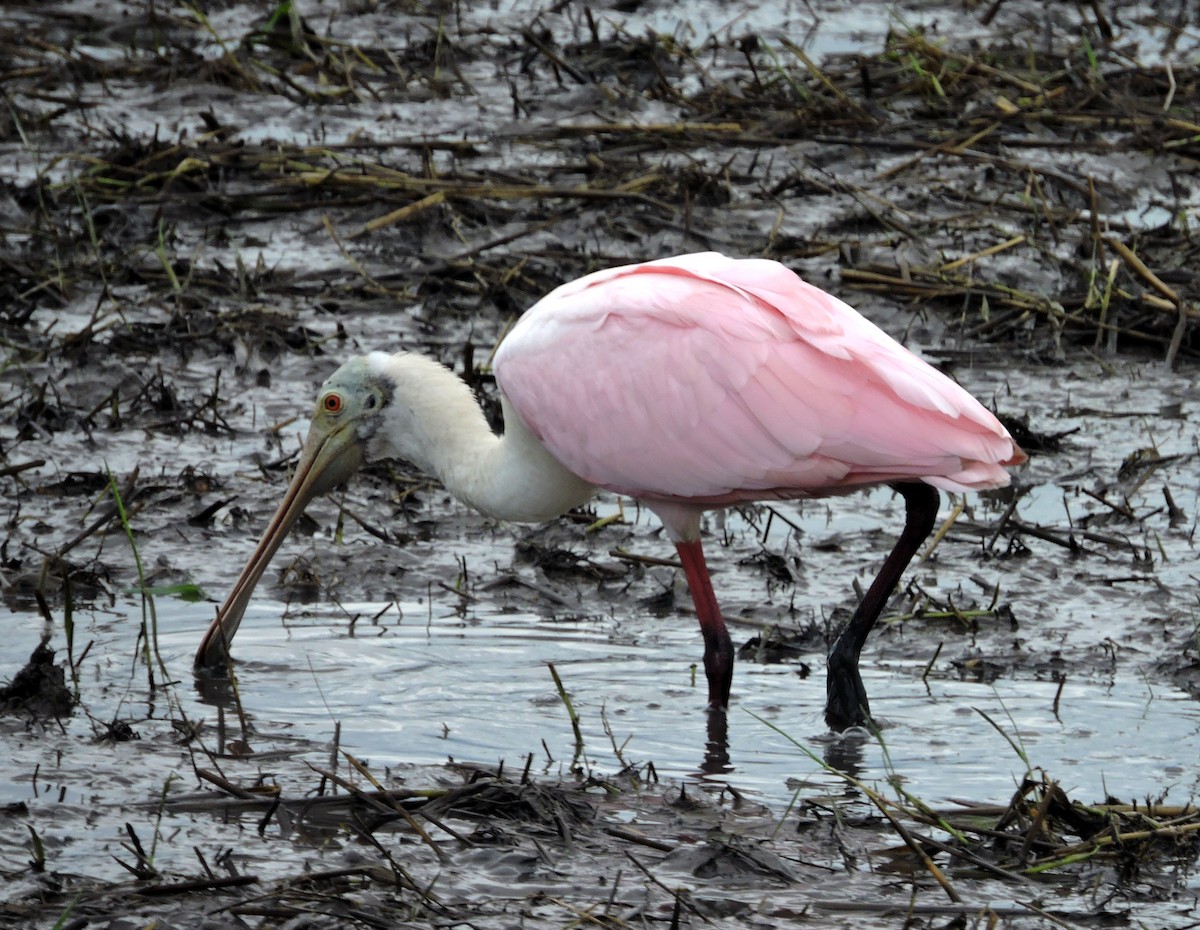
(332, 403)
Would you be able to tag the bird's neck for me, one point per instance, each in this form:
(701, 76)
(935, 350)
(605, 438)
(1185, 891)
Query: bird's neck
(437, 425)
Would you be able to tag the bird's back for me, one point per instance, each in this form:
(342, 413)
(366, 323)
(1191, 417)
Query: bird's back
(714, 380)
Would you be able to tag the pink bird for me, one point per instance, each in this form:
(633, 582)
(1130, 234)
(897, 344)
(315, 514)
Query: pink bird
(687, 383)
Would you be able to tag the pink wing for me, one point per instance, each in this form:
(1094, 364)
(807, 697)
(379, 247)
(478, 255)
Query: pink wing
(713, 380)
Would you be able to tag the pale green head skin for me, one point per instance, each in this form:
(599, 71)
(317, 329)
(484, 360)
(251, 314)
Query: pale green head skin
(346, 415)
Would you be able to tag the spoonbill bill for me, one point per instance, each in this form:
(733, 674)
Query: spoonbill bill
(687, 383)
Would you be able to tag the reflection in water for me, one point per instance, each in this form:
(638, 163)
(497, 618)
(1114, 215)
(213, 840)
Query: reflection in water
(845, 751)
(716, 749)
(219, 690)
(215, 688)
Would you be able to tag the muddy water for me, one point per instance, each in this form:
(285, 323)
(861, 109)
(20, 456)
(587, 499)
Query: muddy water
(436, 649)
(434, 645)
(441, 675)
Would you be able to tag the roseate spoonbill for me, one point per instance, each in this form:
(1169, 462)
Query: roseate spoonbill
(688, 383)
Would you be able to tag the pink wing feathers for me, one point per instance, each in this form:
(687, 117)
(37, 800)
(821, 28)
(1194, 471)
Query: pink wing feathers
(714, 380)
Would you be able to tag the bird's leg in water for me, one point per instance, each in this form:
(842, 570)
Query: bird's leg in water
(846, 698)
(718, 648)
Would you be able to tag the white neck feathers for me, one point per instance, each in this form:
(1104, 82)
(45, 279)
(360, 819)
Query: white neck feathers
(434, 422)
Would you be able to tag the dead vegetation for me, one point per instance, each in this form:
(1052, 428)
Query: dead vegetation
(982, 153)
(477, 826)
(1036, 191)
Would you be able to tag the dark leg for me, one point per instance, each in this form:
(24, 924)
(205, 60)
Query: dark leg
(718, 648)
(845, 697)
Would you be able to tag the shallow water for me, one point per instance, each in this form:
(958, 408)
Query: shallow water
(479, 690)
(455, 623)
(475, 688)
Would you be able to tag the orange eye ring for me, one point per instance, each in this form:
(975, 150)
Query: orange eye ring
(332, 403)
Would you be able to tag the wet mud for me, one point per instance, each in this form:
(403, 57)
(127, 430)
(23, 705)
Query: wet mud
(204, 209)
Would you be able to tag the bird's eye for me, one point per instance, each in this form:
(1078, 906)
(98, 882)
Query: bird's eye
(371, 402)
(332, 403)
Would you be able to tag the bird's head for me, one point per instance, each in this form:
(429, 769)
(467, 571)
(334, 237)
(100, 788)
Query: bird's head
(350, 411)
